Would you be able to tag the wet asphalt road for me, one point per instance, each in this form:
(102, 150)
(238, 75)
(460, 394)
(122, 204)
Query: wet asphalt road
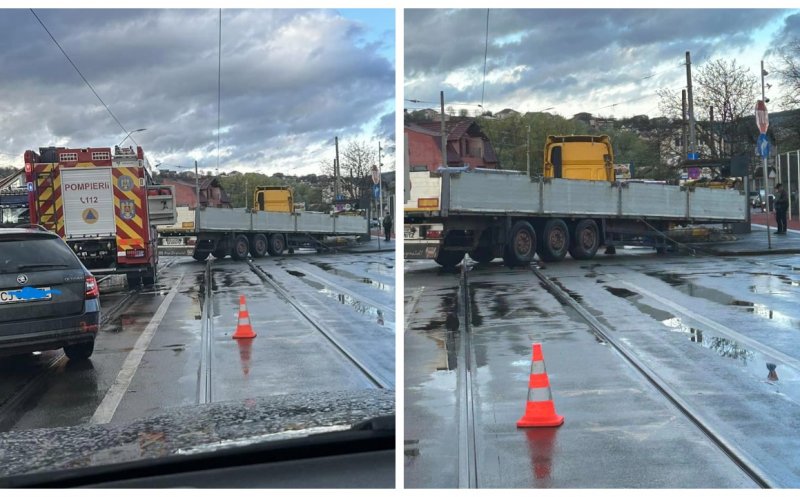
(351, 295)
(706, 326)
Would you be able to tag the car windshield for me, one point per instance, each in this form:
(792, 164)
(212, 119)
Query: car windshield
(249, 277)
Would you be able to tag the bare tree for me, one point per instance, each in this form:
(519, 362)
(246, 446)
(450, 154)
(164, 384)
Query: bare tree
(355, 167)
(731, 90)
(789, 71)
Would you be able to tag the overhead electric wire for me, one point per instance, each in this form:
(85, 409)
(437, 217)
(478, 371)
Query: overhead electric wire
(82, 76)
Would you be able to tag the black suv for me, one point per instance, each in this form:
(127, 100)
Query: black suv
(48, 299)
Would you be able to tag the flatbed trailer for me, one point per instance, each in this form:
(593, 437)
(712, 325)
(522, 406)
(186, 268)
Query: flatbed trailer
(239, 232)
(490, 213)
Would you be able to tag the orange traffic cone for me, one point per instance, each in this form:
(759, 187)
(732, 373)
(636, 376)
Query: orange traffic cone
(540, 410)
(243, 328)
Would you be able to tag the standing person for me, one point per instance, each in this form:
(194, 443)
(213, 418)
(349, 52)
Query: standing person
(781, 206)
(387, 225)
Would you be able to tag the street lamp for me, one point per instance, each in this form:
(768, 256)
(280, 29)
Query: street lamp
(129, 134)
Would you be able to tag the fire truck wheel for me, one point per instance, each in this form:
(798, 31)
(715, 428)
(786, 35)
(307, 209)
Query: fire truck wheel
(585, 241)
(554, 242)
(258, 245)
(134, 280)
(241, 247)
(277, 244)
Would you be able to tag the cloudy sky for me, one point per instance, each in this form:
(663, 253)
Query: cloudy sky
(606, 62)
(291, 81)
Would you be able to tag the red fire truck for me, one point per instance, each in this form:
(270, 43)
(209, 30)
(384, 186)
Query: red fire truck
(104, 205)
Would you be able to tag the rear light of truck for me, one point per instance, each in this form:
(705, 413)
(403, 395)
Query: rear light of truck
(92, 288)
(428, 203)
(433, 234)
(134, 253)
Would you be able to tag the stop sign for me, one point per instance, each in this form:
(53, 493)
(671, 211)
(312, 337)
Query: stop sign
(762, 119)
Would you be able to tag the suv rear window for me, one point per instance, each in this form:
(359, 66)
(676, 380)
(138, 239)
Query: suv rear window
(18, 252)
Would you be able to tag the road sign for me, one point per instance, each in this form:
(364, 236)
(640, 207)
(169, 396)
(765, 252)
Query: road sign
(376, 190)
(693, 155)
(339, 197)
(30, 186)
(762, 146)
(694, 172)
(376, 177)
(762, 117)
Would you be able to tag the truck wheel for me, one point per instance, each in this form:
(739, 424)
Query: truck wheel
(258, 245)
(555, 241)
(277, 244)
(585, 241)
(79, 351)
(241, 247)
(521, 246)
(220, 253)
(449, 258)
(483, 255)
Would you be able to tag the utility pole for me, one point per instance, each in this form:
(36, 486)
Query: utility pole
(196, 186)
(711, 127)
(684, 143)
(692, 137)
(444, 134)
(336, 171)
(766, 176)
(529, 149)
(380, 193)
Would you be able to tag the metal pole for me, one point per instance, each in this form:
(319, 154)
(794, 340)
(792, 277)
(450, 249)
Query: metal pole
(789, 182)
(684, 142)
(196, 186)
(380, 193)
(444, 135)
(529, 150)
(766, 178)
(692, 137)
(798, 176)
(336, 171)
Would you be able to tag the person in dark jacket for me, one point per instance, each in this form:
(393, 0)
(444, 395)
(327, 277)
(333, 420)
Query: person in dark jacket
(387, 226)
(781, 206)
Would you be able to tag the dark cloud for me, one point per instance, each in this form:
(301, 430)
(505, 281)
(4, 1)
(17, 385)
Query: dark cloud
(291, 79)
(566, 53)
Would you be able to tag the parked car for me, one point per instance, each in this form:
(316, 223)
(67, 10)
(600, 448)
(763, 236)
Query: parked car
(48, 299)
(755, 200)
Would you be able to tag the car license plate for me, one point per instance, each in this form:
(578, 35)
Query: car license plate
(26, 294)
(173, 241)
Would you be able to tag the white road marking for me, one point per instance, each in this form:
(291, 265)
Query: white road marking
(111, 401)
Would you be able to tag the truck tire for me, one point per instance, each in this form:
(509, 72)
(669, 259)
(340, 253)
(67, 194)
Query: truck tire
(449, 258)
(276, 245)
(585, 240)
(241, 247)
(220, 253)
(149, 277)
(258, 245)
(484, 255)
(521, 246)
(554, 244)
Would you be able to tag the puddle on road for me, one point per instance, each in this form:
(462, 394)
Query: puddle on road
(444, 329)
(754, 362)
(693, 290)
(346, 299)
(351, 276)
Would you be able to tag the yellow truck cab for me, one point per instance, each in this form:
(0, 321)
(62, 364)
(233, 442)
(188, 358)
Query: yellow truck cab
(579, 157)
(274, 199)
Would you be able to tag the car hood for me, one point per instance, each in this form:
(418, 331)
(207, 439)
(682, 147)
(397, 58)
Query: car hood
(190, 429)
